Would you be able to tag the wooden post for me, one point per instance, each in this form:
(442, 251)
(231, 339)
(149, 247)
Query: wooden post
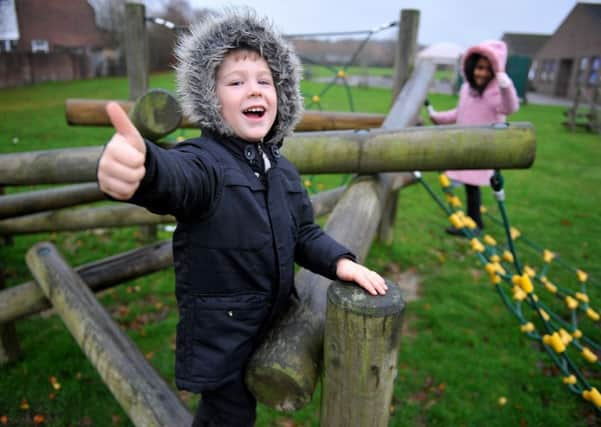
(136, 49)
(137, 61)
(142, 393)
(404, 62)
(362, 336)
(9, 343)
(406, 47)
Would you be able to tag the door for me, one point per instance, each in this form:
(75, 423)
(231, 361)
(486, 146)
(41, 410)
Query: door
(563, 77)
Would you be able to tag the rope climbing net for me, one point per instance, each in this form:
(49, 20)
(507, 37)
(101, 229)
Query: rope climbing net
(340, 74)
(562, 337)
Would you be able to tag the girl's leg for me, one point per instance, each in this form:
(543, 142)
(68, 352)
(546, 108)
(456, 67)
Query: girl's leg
(473, 203)
(232, 405)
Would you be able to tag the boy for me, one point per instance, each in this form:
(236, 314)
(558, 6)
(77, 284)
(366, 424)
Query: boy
(243, 218)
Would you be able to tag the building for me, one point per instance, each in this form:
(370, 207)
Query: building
(571, 58)
(50, 40)
(524, 44)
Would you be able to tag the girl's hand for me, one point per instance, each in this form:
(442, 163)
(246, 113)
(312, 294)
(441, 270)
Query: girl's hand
(371, 281)
(503, 79)
(121, 166)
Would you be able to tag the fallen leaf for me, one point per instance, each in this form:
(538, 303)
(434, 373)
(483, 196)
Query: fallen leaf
(24, 405)
(4, 420)
(116, 419)
(55, 384)
(38, 419)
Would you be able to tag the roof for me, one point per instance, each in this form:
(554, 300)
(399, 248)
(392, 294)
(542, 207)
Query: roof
(442, 53)
(524, 44)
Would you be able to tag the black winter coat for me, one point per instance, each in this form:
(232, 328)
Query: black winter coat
(234, 248)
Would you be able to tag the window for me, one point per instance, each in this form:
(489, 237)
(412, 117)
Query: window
(39, 46)
(532, 71)
(552, 67)
(582, 67)
(548, 70)
(593, 76)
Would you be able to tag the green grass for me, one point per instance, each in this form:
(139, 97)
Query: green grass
(461, 351)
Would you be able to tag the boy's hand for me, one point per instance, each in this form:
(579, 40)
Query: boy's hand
(121, 166)
(369, 280)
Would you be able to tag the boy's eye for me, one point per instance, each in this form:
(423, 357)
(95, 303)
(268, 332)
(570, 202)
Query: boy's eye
(265, 82)
(234, 83)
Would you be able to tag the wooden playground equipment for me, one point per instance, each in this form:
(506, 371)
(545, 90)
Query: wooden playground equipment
(318, 335)
(586, 110)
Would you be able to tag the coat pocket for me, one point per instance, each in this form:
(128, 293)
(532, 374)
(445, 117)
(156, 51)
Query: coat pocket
(222, 334)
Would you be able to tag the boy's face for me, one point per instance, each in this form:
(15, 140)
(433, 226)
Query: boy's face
(247, 94)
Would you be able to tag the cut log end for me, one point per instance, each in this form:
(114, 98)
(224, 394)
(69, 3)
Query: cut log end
(277, 388)
(351, 297)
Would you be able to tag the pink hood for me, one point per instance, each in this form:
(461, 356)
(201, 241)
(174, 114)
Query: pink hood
(494, 50)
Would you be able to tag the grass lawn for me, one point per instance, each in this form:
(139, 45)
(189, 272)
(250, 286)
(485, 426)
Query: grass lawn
(462, 350)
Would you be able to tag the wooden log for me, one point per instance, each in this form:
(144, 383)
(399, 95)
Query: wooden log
(142, 393)
(55, 198)
(136, 49)
(284, 370)
(92, 112)
(413, 95)
(9, 342)
(120, 215)
(396, 150)
(406, 47)
(137, 59)
(362, 336)
(156, 114)
(27, 298)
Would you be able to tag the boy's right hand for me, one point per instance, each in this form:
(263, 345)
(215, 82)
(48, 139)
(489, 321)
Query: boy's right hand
(121, 166)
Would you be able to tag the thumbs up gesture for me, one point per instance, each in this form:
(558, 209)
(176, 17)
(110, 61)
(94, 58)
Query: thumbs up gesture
(121, 166)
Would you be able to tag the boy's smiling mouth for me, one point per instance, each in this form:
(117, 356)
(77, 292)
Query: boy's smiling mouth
(254, 112)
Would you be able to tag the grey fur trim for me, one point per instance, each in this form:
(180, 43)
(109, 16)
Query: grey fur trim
(200, 52)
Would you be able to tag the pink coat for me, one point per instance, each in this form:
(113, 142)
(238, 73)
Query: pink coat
(492, 106)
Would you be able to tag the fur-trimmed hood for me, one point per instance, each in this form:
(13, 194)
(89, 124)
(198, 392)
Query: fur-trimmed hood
(200, 52)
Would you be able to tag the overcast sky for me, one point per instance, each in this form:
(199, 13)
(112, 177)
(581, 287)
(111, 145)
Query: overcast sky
(465, 22)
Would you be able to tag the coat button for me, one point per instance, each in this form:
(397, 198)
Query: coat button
(249, 152)
(275, 151)
(230, 313)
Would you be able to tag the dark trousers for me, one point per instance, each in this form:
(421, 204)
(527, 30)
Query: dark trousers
(473, 203)
(232, 405)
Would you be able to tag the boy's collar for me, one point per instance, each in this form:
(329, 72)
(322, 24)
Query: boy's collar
(242, 148)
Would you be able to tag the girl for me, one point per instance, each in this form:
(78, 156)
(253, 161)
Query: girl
(487, 96)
